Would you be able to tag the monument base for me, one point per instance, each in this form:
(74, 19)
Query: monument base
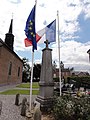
(45, 103)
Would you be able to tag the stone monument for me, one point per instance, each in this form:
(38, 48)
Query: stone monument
(45, 97)
(23, 106)
(17, 99)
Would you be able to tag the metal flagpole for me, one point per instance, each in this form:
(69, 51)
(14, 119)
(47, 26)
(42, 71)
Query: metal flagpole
(31, 80)
(31, 75)
(59, 52)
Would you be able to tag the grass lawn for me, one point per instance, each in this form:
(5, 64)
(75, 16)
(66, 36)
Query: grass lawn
(27, 85)
(23, 92)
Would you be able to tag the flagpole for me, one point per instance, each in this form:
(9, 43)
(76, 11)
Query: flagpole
(31, 81)
(30, 107)
(35, 2)
(59, 52)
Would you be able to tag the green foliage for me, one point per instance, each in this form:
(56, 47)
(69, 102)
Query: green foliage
(56, 79)
(71, 108)
(26, 70)
(36, 72)
(80, 81)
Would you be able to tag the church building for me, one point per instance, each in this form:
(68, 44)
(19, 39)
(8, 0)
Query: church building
(89, 54)
(10, 63)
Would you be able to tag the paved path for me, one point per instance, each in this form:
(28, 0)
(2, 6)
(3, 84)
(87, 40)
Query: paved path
(6, 87)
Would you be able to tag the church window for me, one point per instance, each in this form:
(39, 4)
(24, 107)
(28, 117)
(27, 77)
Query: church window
(10, 68)
(18, 71)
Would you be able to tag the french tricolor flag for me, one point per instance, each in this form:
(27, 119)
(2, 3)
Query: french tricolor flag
(47, 33)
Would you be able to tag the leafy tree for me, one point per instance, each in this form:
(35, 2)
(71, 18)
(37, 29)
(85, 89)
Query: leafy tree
(36, 72)
(26, 70)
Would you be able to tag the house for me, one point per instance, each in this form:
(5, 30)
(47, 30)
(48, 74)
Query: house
(80, 74)
(10, 63)
(65, 72)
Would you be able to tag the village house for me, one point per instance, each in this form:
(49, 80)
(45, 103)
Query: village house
(65, 72)
(68, 72)
(80, 74)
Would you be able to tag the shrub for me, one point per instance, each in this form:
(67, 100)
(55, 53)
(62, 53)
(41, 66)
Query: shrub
(56, 79)
(71, 108)
(80, 81)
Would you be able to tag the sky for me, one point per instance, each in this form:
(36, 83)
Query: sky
(74, 29)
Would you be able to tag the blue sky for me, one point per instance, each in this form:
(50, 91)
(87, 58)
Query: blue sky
(84, 33)
(74, 26)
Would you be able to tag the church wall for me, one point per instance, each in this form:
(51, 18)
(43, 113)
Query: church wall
(10, 67)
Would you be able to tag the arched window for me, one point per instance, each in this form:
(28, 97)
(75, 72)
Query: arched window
(10, 68)
(18, 71)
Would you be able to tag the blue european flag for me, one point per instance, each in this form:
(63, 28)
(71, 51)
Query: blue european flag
(30, 28)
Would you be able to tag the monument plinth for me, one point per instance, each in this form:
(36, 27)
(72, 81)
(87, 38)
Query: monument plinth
(45, 97)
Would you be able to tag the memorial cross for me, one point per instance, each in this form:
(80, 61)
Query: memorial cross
(47, 43)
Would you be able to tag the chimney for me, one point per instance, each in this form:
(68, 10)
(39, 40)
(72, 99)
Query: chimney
(9, 38)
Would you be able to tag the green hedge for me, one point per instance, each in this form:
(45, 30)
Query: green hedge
(82, 81)
(56, 79)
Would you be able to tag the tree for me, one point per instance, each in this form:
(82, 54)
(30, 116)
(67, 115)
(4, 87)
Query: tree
(26, 70)
(36, 72)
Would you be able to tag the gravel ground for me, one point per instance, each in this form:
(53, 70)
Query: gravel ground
(9, 110)
(12, 112)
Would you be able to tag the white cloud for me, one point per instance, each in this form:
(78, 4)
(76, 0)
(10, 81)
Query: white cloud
(72, 52)
(15, 1)
(87, 11)
(86, 8)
